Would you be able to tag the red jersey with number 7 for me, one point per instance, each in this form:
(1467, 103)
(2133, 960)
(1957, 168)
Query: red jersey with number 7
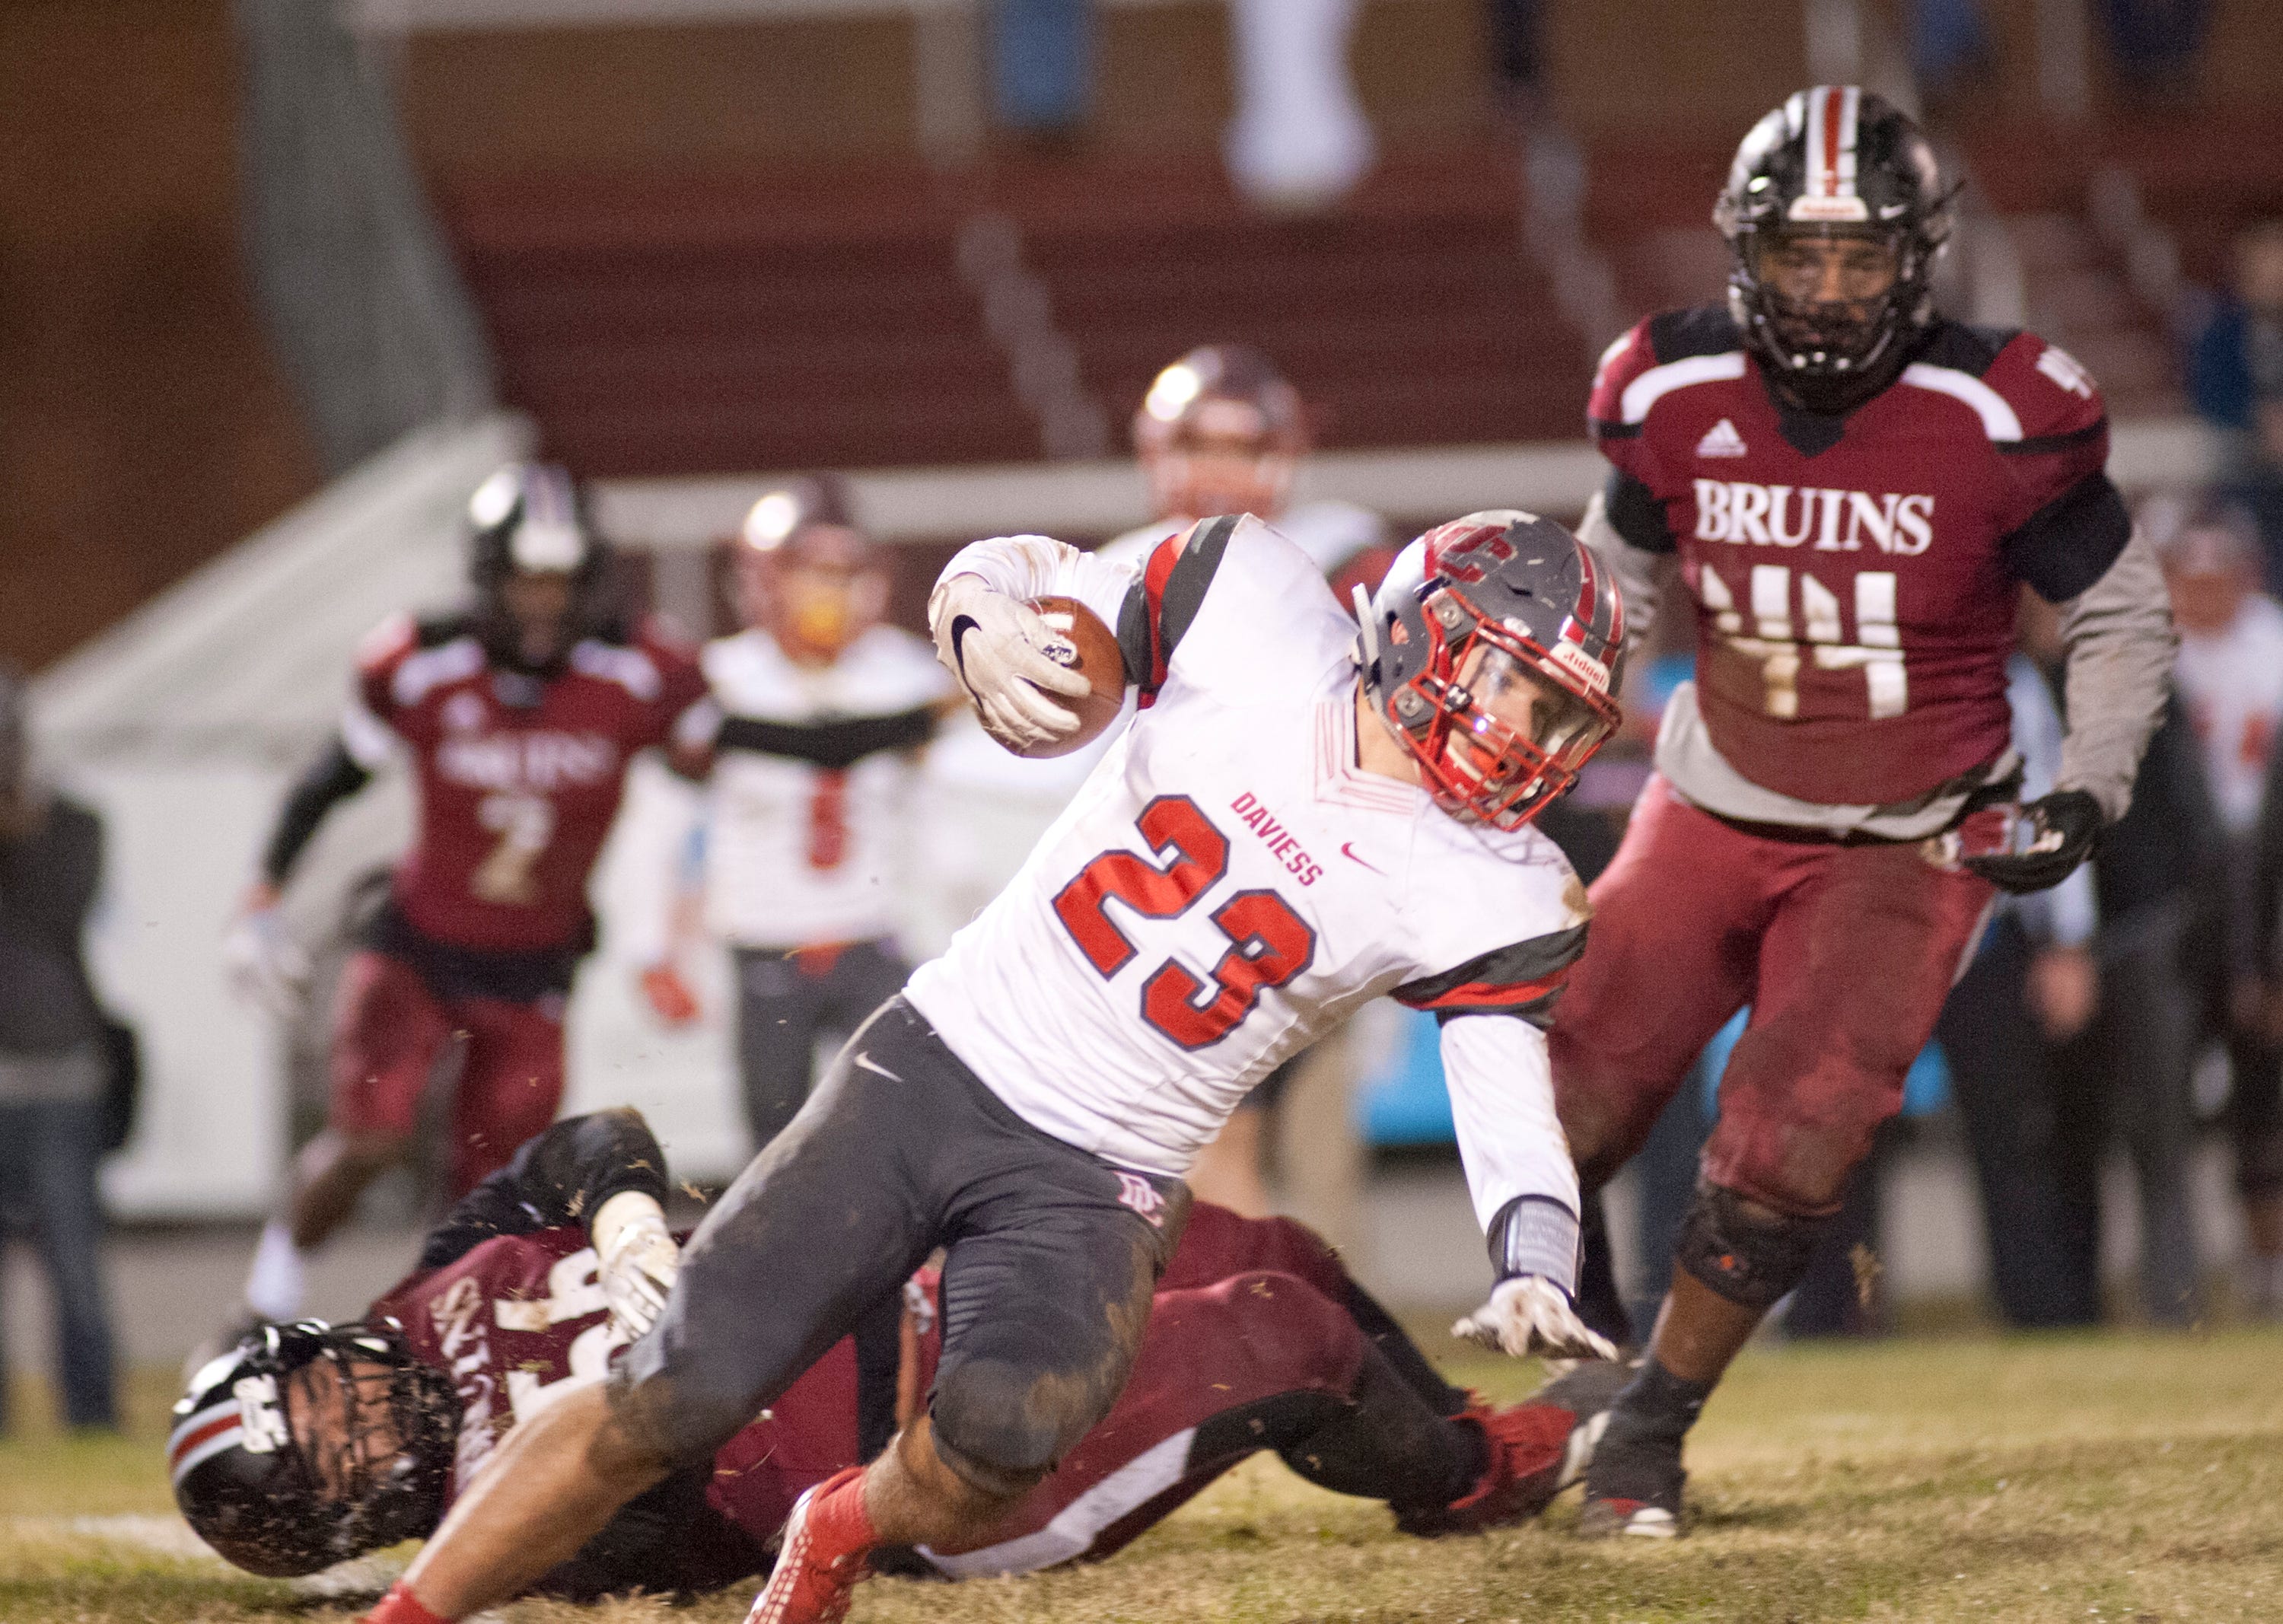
(519, 776)
(1855, 574)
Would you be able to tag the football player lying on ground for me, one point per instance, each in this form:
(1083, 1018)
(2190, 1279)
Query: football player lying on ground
(1306, 815)
(309, 1444)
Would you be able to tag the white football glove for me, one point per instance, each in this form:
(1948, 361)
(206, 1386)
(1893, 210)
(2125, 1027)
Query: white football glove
(635, 1259)
(1530, 1315)
(265, 965)
(1010, 660)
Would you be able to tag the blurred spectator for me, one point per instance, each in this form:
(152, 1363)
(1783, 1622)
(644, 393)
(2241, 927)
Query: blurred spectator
(2235, 379)
(2230, 677)
(1042, 65)
(2154, 44)
(2126, 1076)
(1950, 43)
(2033, 983)
(810, 809)
(1518, 54)
(2257, 1014)
(52, 1069)
(1300, 140)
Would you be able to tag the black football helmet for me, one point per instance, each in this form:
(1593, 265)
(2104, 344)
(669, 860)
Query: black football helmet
(1494, 616)
(531, 518)
(1834, 161)
(307, 1444)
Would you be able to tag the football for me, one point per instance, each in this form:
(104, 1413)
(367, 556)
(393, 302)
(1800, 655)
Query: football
(1091, 648)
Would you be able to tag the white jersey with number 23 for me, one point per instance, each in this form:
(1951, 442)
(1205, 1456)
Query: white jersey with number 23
(1229, 886)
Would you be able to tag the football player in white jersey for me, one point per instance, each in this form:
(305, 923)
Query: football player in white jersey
(1302, 818)
(1222, 431)
(818, 711)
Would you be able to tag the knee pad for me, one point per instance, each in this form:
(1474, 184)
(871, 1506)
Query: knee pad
(1745, 1258)
(1001, 1428)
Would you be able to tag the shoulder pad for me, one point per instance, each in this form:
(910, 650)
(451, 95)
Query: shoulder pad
(2030, 397)
(1664, 353)
(389, 642)
(1700, 330)
(433, 631)
(2055, 396)
(1965, 349)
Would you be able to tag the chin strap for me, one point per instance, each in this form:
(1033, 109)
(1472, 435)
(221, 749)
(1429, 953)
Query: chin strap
(1367, 632)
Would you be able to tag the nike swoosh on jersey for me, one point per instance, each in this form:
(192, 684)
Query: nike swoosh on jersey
(866, 1061)
(1347, 850)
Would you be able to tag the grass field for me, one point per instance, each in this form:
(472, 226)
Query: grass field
(2131, 1478)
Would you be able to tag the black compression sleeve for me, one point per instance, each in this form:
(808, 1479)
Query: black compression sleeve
(2068, 543)
(1635, 514)
(331, 779)
(559, 1178)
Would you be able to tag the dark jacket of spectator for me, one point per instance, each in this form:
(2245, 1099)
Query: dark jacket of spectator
(48, 881)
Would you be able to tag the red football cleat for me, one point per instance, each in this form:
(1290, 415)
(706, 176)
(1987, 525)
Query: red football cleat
(1537, 1449)
(826, 1539)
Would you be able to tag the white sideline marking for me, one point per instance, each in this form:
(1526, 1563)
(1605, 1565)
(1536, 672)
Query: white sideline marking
(171, 1536)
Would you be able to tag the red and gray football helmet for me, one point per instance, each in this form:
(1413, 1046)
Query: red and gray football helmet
(805, 573)
(1493, 650)
(307, 1444)
(1221, 431)
(1834, 161)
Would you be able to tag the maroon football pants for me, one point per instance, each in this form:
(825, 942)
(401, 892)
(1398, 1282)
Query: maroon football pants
(1845, 954)
(389, 1031)
(1252, 1320)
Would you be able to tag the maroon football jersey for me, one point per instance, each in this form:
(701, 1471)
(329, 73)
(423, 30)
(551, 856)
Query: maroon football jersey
(519, 1321)
(516, 798)
(1855, 577)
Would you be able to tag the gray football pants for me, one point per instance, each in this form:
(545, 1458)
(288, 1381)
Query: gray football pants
(791, 1000)
(1051, 1257)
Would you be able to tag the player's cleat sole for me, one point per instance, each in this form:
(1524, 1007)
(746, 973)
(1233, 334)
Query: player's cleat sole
(811, 1583)
(1604, 1519)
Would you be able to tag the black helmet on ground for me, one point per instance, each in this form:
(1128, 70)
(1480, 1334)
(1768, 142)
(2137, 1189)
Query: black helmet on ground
(308, 1444)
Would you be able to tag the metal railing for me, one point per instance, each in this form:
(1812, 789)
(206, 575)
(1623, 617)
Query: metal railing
(361, 297)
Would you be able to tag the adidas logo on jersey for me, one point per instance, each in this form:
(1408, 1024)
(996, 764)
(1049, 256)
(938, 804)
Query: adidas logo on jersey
(1722, 439)
(1792, 516)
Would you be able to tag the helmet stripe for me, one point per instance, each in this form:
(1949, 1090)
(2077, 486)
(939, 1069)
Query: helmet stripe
(1589, 587)
(1843, 163)
(186, 1464)
(193, 1443)
(1829, 107)
(1818, 99)
(199, 1422)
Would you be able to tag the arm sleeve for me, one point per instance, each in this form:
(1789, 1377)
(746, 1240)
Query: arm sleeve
(1634, 566)
(331, 779)
(560, 1178)
(1501, 1085)
(1521, 980)
(2119, 643)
